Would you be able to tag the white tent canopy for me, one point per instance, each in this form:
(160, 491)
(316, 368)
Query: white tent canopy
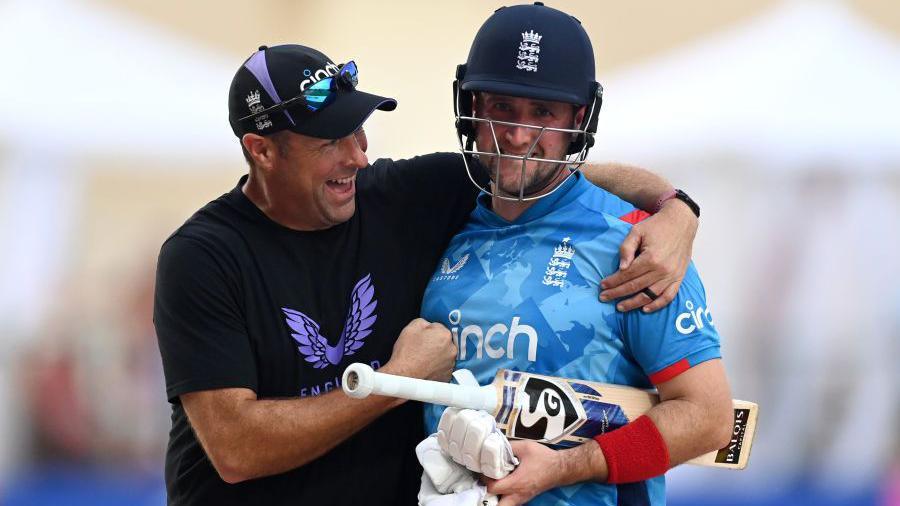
(803, 83)
(79, 81)
(82, 80)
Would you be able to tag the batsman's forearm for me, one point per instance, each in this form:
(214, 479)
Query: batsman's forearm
(640, 187)
(686, 427)
(689, 429)
(695, 414)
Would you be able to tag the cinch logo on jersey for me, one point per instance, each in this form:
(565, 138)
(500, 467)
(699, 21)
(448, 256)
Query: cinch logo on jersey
(692, 320)
(483, 339)
(314, 77)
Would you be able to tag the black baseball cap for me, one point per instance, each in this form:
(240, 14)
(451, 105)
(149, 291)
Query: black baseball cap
(276, 74)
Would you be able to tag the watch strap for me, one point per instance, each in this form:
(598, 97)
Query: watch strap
(684, 197)
(680, 195)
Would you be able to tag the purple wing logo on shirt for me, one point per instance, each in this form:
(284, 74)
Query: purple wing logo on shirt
(315, 347)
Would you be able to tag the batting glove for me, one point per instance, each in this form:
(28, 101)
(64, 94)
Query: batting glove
(471, 438)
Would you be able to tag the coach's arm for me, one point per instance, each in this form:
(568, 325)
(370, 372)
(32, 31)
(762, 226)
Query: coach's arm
(246, 437)
(694, 417)
(663, 241)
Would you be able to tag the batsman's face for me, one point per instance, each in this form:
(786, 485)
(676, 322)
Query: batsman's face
(506, 173)
(322, 175)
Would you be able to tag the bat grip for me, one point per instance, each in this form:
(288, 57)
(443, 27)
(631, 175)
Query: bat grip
(360, 381)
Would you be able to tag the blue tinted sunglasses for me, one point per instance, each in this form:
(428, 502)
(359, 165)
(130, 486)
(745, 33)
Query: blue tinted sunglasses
(319, 94)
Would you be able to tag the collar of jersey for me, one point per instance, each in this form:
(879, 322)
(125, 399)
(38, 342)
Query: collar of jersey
(568, 192)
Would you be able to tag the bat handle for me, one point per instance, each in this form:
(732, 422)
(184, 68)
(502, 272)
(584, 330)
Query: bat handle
(360, 381)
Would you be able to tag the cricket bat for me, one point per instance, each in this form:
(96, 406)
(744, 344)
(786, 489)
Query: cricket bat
(558, 412)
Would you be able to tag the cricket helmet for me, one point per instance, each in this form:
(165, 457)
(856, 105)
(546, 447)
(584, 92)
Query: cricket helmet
(530, 51)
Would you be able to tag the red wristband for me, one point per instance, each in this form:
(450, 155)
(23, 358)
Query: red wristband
(635, 452)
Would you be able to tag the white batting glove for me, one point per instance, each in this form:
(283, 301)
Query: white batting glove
(446, 483)
(471, 438)
(445, 475)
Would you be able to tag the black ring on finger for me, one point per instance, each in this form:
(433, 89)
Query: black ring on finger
(650, 293)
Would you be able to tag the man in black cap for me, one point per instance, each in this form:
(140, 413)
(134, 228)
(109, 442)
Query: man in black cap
(313, 261)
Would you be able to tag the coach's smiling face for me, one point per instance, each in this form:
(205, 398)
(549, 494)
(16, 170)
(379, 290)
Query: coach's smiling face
(308, 183)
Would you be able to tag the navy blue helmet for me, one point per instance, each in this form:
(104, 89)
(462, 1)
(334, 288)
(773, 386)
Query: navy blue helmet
(531, 51)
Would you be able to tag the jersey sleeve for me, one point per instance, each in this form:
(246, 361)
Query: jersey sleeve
(613, 205)
(202, 336)
(675, 338)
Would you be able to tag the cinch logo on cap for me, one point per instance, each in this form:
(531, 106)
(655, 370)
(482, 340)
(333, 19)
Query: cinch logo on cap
(314, 77)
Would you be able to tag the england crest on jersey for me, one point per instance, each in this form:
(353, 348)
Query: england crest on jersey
(558, 265)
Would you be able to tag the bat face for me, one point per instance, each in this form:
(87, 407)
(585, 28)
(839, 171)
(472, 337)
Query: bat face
(554, 411)
(563, 413)
(558, 412)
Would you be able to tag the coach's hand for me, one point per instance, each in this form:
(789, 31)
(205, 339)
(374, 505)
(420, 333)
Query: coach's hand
(653, 259)
(423, 350)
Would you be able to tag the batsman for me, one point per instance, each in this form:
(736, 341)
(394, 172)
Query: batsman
(517, 288)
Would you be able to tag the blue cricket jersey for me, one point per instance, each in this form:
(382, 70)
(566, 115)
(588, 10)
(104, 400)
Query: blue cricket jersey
(523, 295)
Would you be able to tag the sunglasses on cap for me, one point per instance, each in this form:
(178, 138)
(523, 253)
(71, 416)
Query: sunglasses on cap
(319, 94)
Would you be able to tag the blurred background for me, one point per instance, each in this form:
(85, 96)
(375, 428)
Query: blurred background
(782, 118)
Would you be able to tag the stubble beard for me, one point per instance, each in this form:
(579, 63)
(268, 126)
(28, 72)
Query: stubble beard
(536, 179)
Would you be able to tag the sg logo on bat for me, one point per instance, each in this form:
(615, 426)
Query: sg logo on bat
(548, 411)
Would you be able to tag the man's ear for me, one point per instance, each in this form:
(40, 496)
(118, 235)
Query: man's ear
(576, 121)
(477, 101)
(579, 116)
(262, 150)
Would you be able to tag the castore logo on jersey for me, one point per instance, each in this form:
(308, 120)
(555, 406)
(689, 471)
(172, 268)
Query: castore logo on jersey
(696, 318)
(448, 272)
(483, 344)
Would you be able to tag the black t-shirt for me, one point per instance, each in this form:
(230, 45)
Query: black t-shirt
(235, 295)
